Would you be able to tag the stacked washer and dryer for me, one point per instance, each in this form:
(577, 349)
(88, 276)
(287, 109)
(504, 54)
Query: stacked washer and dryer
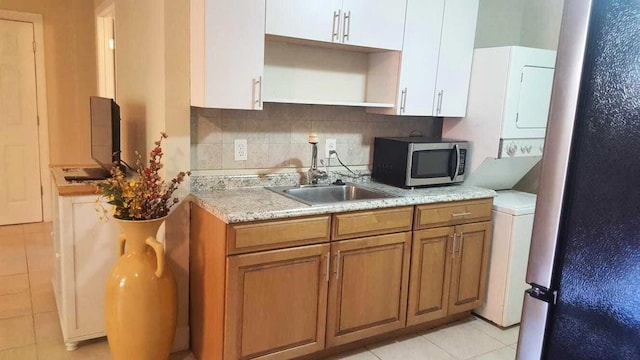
(509, 96)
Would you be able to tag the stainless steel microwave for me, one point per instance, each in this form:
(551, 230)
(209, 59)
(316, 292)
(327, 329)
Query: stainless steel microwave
(418, 161)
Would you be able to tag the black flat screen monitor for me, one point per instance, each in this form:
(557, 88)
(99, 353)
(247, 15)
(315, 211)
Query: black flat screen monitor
(105, 132)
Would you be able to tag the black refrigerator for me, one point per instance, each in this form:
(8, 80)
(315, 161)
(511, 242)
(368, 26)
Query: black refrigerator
(584, 263)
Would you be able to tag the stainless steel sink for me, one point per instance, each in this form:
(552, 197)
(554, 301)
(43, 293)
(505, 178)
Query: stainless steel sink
(326, 194)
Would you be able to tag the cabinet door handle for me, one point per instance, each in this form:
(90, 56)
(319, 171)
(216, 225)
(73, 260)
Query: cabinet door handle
(258, 101)
(403, 101)
(439, 105)
(460, 241)
(453, 246)
(461, 214)
(337, 264)
(326, 274)
(335, 28)
(346, 26)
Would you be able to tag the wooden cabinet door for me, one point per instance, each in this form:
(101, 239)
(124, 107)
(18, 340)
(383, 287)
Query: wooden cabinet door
(368, 287)
(469, 268)
(276, 303)
(419, 66)
(317, 20)
(227, 53)
(430, 275)
(377, 24)
(456, 55)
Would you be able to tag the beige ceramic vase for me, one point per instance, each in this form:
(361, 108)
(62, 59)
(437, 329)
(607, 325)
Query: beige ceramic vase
(141, 297)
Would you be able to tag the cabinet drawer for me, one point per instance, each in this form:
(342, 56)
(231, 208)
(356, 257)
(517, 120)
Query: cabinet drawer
(373, 222)
(242, 238)
(445, 214)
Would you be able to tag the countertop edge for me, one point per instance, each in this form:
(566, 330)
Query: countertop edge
(290, 208)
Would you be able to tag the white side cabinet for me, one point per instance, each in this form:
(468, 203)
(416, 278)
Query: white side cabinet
(375, 24)
(227, 53)
(85, 250)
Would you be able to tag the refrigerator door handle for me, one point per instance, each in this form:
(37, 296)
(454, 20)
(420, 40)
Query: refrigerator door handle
(532, 328)
(557, 147)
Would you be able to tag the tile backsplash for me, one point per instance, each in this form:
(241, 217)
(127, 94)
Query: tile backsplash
(277, 136)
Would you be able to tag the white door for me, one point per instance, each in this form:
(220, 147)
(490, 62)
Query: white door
(535, 97)
(20, 192)
(377, 24)
(312, 20)
(456, 56)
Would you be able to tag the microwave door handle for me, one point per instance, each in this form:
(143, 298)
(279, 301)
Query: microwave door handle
(454, 172)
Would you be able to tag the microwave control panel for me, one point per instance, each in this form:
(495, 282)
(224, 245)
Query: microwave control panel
(463, 160)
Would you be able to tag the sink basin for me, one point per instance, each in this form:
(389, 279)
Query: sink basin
(325, 194)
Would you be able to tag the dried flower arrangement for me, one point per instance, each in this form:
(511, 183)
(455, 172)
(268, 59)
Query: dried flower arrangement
(144, 196)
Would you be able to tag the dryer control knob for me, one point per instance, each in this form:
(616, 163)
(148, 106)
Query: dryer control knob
(512, 149)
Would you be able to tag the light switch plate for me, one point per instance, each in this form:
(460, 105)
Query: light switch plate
(240, 146)
(330, 145)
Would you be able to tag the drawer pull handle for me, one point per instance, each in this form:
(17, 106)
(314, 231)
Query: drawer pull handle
(461, 214)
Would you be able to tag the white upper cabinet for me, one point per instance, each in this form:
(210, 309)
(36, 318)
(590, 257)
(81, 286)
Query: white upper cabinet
(419, 57)
(227, 53)
(455, 58)
(378, 24)
(435, 67)
(311, 20)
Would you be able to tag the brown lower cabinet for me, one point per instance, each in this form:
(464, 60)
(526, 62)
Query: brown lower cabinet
(282, 289)
(448, 271)
(368, 289)
(276, 303)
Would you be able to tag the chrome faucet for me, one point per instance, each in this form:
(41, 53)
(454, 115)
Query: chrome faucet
(314, 174)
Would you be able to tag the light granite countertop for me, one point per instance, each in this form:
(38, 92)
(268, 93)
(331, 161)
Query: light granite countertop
(257, 203)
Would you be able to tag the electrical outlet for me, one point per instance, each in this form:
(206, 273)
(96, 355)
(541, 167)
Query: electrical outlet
(240, 146)
(330, 145)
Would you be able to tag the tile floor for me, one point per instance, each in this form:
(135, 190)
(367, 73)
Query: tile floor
(30, 329)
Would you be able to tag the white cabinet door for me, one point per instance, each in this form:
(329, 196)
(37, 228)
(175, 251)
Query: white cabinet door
(456, 55)
(420, 57)
(85, 252)
(376, 24)
(311, 20)
(227, 53)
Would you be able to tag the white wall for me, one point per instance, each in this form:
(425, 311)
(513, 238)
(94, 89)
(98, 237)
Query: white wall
(152, 80)
(541, 24)
(499, 23)
(519, 22)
